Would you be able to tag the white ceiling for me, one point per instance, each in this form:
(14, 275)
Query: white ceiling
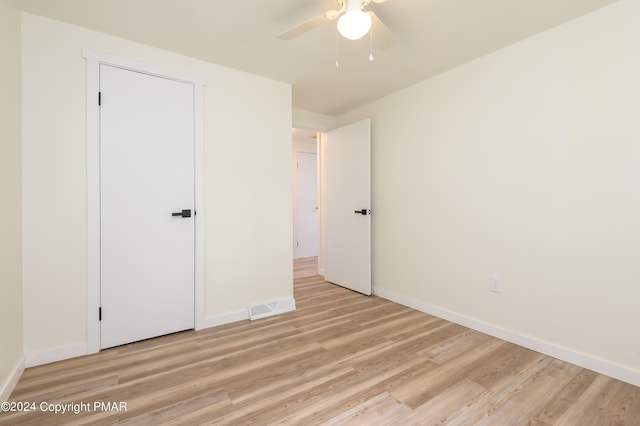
(433, 36)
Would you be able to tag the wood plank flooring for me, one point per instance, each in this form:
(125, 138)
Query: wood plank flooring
(341, 358)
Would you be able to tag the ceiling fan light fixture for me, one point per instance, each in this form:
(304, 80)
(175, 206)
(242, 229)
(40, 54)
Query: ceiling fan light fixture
(354, 24)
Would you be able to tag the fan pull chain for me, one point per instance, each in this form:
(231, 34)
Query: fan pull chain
(371, 44)
(337, 48)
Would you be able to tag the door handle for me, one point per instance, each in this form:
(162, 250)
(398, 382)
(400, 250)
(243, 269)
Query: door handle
(183, 213)
(363, 212)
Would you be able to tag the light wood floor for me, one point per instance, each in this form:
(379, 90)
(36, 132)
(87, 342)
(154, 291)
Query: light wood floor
(341, 358)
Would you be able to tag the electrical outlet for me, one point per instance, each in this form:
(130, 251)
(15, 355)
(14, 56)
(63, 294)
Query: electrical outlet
(496, 284)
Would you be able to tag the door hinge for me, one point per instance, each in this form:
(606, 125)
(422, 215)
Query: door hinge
(100, 314)
(99, 98)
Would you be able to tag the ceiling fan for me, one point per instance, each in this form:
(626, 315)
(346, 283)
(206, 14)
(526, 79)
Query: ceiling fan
(354, 21)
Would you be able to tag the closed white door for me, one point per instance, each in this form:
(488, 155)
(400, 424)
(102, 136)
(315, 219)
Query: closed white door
(348, 207)
(147, 202)
(306, 221)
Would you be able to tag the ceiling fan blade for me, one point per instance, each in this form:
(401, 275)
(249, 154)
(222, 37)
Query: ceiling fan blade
(366, 3)
(382, 36)
(304, 27)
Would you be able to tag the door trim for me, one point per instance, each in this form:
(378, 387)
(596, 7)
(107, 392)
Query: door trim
(94, 60)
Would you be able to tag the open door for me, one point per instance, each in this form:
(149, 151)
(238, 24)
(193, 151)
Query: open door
(348, 207)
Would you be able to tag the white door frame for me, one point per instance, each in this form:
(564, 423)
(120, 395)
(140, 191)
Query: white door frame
(94, 59)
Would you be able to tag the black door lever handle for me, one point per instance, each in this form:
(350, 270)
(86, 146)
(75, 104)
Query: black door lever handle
(362, 212)
(183, 213)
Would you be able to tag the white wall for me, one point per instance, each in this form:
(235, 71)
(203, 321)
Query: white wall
(523, 164)
(247, 149)
(11, 358)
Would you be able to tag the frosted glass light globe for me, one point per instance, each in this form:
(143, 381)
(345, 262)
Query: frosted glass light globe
(354, 24)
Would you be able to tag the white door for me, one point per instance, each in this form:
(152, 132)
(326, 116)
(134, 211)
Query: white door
(348, 207)
(306, 229)
(147, 175)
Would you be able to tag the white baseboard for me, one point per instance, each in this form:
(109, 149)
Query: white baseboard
(56, 354)
(79, 349)
(226, 318)
(12, 380)
(557, 351)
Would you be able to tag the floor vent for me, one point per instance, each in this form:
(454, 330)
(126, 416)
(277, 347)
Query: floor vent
(271, 308)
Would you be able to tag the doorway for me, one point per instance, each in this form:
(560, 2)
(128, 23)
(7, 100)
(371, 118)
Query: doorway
(305, 193)
(344, 201)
